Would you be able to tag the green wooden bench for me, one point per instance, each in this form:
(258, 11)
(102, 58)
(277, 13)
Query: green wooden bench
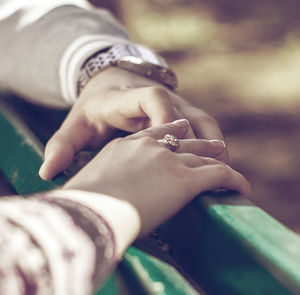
(220, 243)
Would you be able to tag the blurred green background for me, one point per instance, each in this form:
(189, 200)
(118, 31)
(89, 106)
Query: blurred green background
(239, 61)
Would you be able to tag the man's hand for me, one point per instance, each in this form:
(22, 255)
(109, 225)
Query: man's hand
(119, 99)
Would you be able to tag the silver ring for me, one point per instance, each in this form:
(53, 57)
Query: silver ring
(170, 142)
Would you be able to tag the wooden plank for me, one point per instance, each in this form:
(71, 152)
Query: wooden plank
(233, 247)
(21, 154)
(155, 276)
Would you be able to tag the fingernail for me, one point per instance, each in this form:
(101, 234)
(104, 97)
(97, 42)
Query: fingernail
(42, 171)
(181, 122)
(220, 144)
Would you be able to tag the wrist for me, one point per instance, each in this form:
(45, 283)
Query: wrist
(121, 216)
(75, 56)
(132, 58)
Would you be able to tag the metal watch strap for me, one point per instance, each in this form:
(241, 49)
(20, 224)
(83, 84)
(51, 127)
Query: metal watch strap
(112, 55)
(93, 65)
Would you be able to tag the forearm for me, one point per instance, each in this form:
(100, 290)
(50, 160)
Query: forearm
(43, 45)
(61, 241)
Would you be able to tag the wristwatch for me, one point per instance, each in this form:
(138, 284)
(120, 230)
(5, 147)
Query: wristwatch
(132, 57)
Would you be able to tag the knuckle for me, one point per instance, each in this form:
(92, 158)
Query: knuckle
(186, 107)
(163, 155)
(157, 100)
(144, 133)
(51, 142)
(224, 157)
(55, 140)
(145, 141)
(117, 141)
(209, 120)
(223, 172)
(158, 92)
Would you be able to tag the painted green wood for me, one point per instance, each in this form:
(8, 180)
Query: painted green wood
(155, 276)
(21, 154)
(266, 240)
(233, 247)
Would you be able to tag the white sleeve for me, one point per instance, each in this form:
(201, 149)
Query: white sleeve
(44, 43)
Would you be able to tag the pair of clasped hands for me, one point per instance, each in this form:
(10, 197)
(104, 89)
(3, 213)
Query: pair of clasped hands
(137, 168)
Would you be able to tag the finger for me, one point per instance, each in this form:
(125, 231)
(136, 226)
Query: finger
(177, 128)
(194, 161)
(61, 148)
(147, 102)
(211, 177)
(224, 156)
(158, 106)
(203, 125)
(190, 132)
(201, 147)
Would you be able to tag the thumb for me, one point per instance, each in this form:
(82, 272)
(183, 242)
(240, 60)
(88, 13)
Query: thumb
(62, 147)
(177, 128)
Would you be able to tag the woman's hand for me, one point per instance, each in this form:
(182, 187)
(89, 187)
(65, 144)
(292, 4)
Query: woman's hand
(119, 99)
(156, 181)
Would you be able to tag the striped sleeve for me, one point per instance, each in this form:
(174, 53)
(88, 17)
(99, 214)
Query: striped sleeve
(51, 244)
